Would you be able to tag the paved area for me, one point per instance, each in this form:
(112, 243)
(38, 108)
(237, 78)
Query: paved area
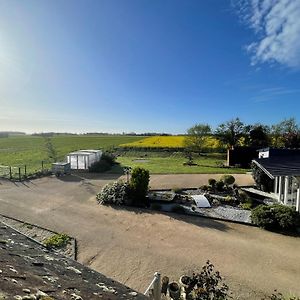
(130, 245)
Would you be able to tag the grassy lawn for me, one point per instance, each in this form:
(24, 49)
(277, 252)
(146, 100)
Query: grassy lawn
(30, 150)
(172, 163)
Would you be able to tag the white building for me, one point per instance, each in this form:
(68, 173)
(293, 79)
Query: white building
(83, 159)
(284, 168)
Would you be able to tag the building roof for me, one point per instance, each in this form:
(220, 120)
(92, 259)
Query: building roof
(280, 165)
(85, 152)
(280, 151)
(28, 268)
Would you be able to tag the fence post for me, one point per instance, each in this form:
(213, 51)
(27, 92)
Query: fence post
(25, 170)
(10, 173)
(19, 173)
(42, 166)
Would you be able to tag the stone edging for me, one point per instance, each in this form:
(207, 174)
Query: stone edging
(70, 250)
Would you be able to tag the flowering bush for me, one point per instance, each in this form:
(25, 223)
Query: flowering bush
(114, 193)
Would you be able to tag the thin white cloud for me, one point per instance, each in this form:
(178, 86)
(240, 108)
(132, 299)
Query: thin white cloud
(277, 27)
(273, 93)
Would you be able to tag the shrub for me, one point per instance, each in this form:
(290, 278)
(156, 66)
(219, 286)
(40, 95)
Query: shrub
(274, 217)
(220, 185)
(229, 199)
(228, 180)
(104, 164)
(100, 166)
(206, 285)
(178, 209)
(139, 183)
(109, 158)
(114, 193)
(56, 241)
(212, 182)
(262, 180)
(204, 187)
(244, 197)
(247, 205)
(215, 202)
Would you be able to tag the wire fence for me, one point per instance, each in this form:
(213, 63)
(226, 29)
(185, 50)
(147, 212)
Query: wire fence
(22, 172)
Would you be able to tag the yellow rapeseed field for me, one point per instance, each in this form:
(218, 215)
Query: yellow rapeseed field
(170, 142)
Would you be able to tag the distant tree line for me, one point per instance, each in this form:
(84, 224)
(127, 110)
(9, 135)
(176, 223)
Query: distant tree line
(235, 133)
(5, 134)
(50, 134)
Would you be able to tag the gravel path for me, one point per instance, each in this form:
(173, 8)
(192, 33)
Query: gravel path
(227, 212)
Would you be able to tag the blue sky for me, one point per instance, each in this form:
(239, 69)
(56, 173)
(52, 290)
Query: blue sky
(137, 65)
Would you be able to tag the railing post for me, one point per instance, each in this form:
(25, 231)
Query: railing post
(157, 287)
(19, 173)
(10, 173)
(154, 289)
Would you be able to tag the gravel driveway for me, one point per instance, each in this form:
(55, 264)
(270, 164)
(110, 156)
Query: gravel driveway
(130, 245)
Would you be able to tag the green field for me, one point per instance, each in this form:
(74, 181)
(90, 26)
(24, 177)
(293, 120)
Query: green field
(173, 163)
(31, 150)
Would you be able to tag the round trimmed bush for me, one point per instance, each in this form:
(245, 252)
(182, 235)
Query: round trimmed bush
(275, 217)
(212, 182)
(228, 179)
(220, 185)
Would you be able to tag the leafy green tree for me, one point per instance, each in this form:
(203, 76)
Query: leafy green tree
(231, 131)
(259, 136)
(286, 134)
(195, 139)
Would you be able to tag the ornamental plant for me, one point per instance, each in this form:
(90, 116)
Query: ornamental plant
(114, 193)
(275, 217)
(228, 180)
(139, 183)
(206, 285)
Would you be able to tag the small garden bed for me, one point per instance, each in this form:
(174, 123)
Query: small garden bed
(219, 199)
(226, 201)
(61, 243)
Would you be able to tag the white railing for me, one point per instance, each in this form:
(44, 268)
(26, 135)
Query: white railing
(154, 288)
